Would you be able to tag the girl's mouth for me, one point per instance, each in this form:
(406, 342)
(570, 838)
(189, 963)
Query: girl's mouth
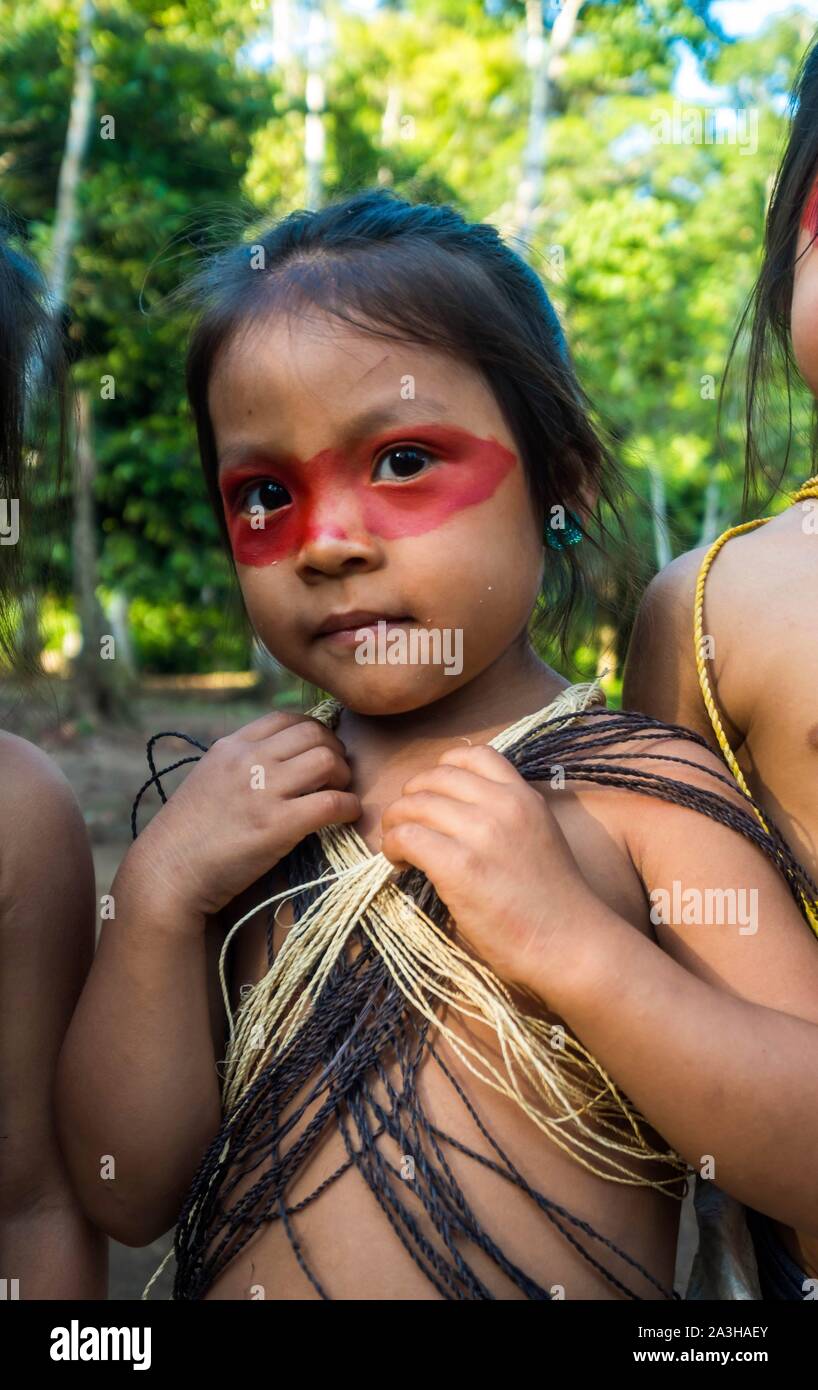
(347, 629)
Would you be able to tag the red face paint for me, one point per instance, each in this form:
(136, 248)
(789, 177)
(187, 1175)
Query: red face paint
(334, 491)
(809, 217)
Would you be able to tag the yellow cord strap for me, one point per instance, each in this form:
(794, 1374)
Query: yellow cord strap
(809, 489)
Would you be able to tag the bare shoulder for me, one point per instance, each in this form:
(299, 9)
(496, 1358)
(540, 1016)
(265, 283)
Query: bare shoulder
(646, 785)
(642, 782)
(41, 825)
(660, 671)
(694, 838)
(47, 884)
(32, 784)
(756, 579)
(663, 753)
(768, 561)
(671, 593)
(47, 921)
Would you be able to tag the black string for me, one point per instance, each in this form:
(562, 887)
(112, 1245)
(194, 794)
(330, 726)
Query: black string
(154, 779)
(361, 1024)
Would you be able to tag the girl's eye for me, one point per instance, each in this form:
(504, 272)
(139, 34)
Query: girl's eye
(401, 463)
(268, 494)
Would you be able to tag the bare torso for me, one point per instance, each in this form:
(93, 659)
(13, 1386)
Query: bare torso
(345, 1237)
(769, 682)
(761, 612)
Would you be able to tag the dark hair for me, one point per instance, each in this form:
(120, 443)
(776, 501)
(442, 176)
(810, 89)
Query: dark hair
(32, 375)
(770, 356)
(420, 273)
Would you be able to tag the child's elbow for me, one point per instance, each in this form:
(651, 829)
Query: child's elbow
(137, 1230)
(130, 1221)
(125, 1212)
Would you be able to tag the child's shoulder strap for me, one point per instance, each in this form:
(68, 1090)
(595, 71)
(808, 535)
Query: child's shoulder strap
(701, 660)
(809, 489)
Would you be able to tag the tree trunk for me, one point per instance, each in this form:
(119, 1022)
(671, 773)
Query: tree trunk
(99, 681)
(62, 242)
(314, 134)
(661, 530)
(117, 616)
(544, 61)
(30, 638)
(710, 522)
(285, 60)
(100, 675)
(76, 142)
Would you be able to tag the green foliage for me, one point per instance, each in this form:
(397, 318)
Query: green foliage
(649, 247)
(172, 637)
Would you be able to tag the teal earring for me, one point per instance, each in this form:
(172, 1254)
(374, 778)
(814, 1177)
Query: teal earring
(569, 534)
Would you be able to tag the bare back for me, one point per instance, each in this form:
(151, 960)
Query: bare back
(760, 630)
(761, 616)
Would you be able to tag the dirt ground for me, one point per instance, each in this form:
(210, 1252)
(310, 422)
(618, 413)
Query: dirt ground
(106, 766)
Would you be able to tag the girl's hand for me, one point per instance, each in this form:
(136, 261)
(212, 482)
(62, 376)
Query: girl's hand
(251, 797)
(497, 857)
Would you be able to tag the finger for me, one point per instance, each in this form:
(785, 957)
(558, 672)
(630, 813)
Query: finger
(410, 843)
(447, 780)
(271, 723)
(308, 771)
(441, 813)
(297, 738)
(307, 814)
(479, 758)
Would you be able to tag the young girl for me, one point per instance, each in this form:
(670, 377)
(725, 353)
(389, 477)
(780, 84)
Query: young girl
(392, 437)
(747, 678)
(48, 1248)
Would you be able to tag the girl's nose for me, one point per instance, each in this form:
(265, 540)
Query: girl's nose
(334, 546)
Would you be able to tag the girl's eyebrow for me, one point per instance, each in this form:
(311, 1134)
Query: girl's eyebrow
(355, 430)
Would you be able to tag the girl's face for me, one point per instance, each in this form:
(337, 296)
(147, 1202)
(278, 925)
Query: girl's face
(366, 480)
(804, 313)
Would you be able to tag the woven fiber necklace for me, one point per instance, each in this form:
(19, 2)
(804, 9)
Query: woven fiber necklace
(335, 1022)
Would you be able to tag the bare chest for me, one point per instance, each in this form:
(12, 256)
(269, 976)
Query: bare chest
(762, 601)
(779, 756)
(371, 1174)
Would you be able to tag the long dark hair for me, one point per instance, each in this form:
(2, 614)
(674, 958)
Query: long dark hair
(770, 356)
(32, 399)
(425, 274)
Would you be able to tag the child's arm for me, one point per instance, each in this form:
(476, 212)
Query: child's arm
(46, 942)
(718, 1047)
(137, 1078)
(138, 1092)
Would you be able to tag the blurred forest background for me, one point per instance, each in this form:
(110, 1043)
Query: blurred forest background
(629, 144)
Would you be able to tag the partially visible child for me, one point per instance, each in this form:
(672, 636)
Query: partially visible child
(748, 682)
(48, 1247)
(392, 435)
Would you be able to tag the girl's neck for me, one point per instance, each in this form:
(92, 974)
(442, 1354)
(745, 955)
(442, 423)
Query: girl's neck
(516, 684)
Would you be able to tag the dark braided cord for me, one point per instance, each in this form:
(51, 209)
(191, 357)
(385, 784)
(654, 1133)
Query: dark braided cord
(439, 1194)
(346, 1040)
